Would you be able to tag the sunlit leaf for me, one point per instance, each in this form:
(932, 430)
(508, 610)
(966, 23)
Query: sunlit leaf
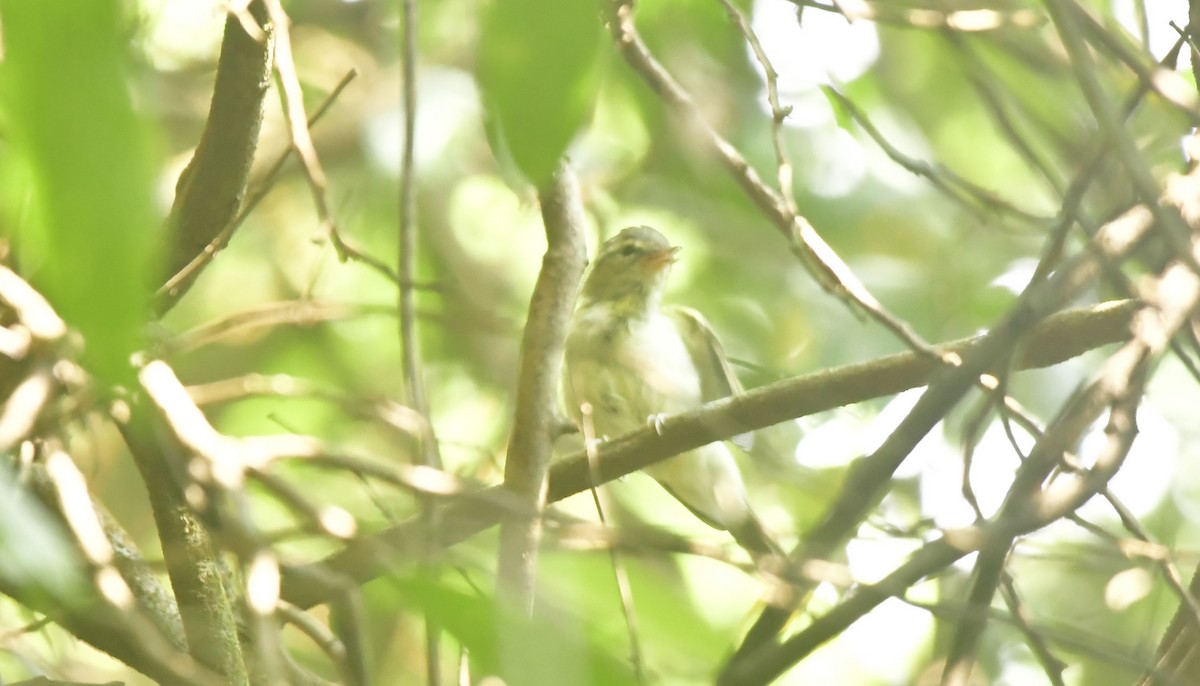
(538, 71)
(840, 114)
(503, 642)
(89, 237)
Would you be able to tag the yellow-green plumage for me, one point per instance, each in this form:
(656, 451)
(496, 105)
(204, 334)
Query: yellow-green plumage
(631, 359)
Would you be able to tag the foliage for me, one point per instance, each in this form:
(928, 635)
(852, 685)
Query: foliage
(953, 158)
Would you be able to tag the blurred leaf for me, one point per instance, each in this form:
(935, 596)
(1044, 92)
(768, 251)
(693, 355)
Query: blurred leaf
(672, 629)
(701, 25)
(840, 114)
(501, 641)
(91, 230)
(538, 71)
(35, 556)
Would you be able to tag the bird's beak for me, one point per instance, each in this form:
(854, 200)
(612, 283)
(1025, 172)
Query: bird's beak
(662, 258)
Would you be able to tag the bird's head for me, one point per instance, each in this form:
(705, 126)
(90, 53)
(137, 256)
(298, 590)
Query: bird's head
(631, 268)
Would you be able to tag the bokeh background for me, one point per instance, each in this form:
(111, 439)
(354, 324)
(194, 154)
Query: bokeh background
(978, 96)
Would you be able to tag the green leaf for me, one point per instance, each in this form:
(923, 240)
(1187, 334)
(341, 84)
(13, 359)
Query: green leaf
(501, 641)
(538, 70)
(840, 114)
(89, 237)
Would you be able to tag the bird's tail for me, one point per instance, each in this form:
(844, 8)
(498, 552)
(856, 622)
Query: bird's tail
(755, 539)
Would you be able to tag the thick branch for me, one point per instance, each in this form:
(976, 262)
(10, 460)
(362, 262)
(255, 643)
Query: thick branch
(1033, 501)
(149, 593)
(147, 636)
(211, 187)
(192, 565)
(537, 414)
(869, 477)
(1058, 338)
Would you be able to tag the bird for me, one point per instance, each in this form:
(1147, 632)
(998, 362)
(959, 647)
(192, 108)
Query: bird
(634, 360)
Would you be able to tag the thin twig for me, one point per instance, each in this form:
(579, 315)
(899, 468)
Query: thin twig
(170, 292)
(1034, 637)
(294, 312)
(992, 97)
(778, 112)
(314, 630)
(1119, 387)
(403, 421)
(825, 265)
(1181, 97)
(407, 258)
(1166, 563)
(1167, 220)
(620, 574)
(293, 111)
(867, 483)
(410, 348)
(1105, 651)
(965, 21)
(953, 186)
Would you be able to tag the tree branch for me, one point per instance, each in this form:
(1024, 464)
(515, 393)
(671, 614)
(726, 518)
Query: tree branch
(867, 482)
(210, 189)
(1059, 337)
(147, 636)
(192, 565)
(537, 415)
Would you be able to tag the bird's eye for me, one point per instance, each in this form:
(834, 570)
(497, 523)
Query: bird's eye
(627, 251)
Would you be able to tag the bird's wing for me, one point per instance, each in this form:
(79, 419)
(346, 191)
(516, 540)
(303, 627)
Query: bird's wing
(774, 445)
(717, 379)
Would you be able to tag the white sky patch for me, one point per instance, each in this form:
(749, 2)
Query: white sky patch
(888, 644)
(1017, 275)
(806, 54)
(891, 640)
(835, 442)
(447, 103)
(1018, 667)
(872, 559)
(1148, 471)
(885, 424)
(837, 165)
(884, 647)
(1158, 16)
(993, 465)
(181, 33)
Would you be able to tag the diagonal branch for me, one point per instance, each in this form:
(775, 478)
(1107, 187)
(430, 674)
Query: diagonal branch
(179, 282)
(1032, 503)
(1058, 338)
(192, 563)
(211, 187)
(868, 478)
(826, 266)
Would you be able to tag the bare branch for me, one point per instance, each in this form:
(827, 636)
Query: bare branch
(211, 187)
(374, 554)
(537, 416)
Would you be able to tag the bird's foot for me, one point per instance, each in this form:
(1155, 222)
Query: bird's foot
(656, 422)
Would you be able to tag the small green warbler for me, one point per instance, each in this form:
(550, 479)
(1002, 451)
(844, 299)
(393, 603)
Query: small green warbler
(632, 359)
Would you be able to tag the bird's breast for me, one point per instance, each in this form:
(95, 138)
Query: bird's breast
(629, 369)
(655, 352)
